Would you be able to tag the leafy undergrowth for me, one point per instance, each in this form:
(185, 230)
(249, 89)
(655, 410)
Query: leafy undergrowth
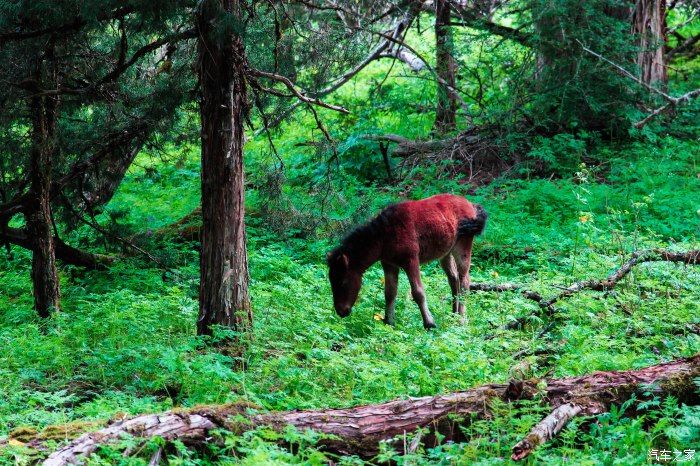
(124, 341)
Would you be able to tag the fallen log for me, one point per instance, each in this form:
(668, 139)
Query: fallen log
(359, 430)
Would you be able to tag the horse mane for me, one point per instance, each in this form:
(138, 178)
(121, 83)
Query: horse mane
(363, 235)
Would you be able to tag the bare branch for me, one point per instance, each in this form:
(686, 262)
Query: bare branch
(627, 74)
(378, 52)
(450, 89)
(672, 101)
(297, 93)
(682, 99)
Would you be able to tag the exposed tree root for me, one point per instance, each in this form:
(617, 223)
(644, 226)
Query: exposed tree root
(359, 430)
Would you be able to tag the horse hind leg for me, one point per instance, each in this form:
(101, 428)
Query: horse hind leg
(418, 293)
(450, 268)
(462, 253)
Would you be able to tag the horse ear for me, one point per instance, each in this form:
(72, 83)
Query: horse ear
(343, 259)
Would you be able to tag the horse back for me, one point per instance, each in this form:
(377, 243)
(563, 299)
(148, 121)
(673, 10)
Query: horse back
(428, 227)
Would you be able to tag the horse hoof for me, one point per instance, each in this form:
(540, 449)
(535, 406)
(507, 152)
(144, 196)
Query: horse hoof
(429, 325)
(388, 322)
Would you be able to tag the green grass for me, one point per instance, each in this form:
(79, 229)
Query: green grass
(125, 341)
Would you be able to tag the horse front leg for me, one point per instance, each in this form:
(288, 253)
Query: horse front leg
(391, 284)
(418, 293)
(450, 268)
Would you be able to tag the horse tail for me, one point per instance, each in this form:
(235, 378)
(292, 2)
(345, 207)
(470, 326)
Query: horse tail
(473, 226)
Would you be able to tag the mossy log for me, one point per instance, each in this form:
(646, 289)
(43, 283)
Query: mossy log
(359, 430)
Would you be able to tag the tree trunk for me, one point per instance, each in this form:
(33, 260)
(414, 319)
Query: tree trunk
(39, 220)
(649, 25)
(223, 291)
(359, 430)
(445, 67)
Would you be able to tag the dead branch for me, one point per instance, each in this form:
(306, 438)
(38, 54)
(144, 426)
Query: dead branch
(654, 255)
(450, 89)
(297, 93)
(415, 63)
(627, 74)
(475, 151)
(672, 101)
(437, 148)
(546, 429)
(664, 108)
(378, 52)
(359, 430)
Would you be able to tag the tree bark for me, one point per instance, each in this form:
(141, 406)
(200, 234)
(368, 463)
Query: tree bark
(649, 25)
(445, 67)
(44, 274)
(359, 430)
(223, 292)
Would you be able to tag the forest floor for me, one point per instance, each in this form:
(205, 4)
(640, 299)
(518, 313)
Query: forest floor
(124, 341)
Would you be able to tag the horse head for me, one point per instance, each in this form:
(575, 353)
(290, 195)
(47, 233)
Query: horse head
(345, 282)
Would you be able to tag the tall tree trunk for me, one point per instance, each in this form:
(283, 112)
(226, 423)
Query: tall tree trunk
(39, 221)
(445, 67)
(649, 25)
(223, 290)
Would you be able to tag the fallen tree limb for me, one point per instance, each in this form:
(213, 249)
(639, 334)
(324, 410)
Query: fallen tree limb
(655, 255)
(691, 257)
(546, 429)
(359, 430)
(476, 148)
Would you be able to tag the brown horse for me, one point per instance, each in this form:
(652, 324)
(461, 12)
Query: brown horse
(403, 236)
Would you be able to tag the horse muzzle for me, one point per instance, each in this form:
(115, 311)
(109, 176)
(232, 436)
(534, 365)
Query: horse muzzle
(343, 311)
